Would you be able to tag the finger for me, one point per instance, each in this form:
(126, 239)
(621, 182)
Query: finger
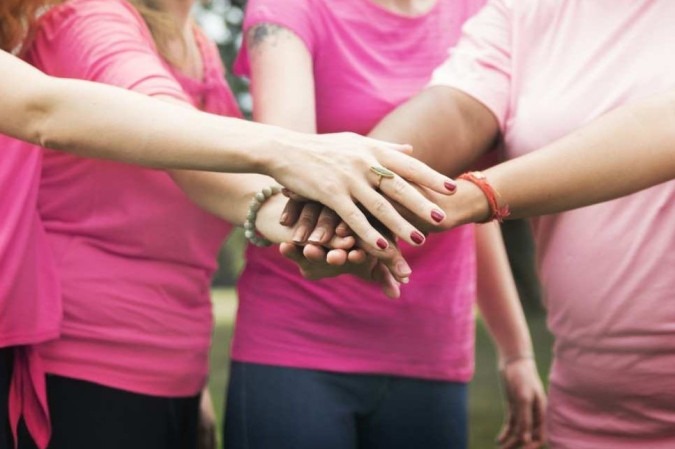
(291, 252)
(417, 172)
(336, 257)
(390, 287)
(394, 261)
(385, 212)
(294, 196)
(325, 227)
(345, 243)
(356, 220)
(539, 420)
(404, 148)
(357, 256)
(314, 253)
(291, 213)
(306, 222)
(343, 230)
(401, 192)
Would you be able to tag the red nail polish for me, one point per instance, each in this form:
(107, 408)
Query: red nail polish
(417, 237)
(437, 215)
(382, 243)
(451, 186)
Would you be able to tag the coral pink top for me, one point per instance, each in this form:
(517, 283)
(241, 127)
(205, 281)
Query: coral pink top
(545, 68)
(134, 255)
(367, 61)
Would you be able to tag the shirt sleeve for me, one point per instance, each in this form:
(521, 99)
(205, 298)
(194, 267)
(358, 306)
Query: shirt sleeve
(296, 16)
(104, 41)
(480, 64)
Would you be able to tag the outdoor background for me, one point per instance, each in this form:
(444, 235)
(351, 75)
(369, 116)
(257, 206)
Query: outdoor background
(221, 19)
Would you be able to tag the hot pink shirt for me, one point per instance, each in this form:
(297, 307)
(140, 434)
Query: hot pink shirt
(367, 61)
(30, 293)
(30, 300)
(135, 256)
(545, 68)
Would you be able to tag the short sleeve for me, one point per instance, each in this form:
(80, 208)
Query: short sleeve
(104, 41)
(480, 64)
(297, 16)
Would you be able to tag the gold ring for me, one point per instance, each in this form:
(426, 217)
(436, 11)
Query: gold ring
(382, 173)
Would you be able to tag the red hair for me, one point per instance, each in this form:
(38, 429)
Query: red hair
(16, 20)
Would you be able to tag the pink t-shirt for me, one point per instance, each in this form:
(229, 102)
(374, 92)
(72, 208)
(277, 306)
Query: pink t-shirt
(545, 68)
(367, 61)
(30, 298)
(134, 255)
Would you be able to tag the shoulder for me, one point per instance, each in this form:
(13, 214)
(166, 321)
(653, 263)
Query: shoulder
(76, 15)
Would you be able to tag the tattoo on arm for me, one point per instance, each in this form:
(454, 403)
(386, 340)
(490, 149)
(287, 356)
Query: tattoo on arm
(265, 32)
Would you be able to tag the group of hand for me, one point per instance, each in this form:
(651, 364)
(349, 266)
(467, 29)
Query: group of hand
(349, 207)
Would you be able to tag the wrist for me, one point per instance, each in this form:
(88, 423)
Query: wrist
(467, 205)
(497, 209)
(258, 205)
(505, 360)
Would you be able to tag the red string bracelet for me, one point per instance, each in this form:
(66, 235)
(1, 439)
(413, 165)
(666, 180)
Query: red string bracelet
(497, 212)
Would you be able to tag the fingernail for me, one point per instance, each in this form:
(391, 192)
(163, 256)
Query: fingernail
(284, 218)
(437, 215)
(382, 243)
(405, 280)
(417, 237)
(403, 269)
(451, 186)
(317, 236)
(300, 236)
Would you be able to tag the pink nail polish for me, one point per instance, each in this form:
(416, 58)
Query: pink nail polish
(451, 186)
(417, 237)
(382, 243)
(437, 215)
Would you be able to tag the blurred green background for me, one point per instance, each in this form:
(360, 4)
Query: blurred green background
(221, 19)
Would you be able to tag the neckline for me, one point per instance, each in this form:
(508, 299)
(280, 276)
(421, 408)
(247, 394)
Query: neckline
(399, 16)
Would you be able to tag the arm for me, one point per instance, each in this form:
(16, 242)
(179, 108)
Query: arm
(449, 129)
(503, 315)
(622, 152)
(73, 115)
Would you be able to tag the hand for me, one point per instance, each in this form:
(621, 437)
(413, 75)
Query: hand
(317, 226)
(207, 436)
(335, 170)
(315, 263)
(525, 420)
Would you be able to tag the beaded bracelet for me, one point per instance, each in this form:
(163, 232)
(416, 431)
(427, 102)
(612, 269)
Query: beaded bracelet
(253, 208)
(497, 212)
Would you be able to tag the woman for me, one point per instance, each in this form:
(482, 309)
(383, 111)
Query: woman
(537, 70)
(332, 364)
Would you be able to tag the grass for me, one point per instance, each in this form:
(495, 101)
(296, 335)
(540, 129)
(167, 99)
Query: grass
(486, 409)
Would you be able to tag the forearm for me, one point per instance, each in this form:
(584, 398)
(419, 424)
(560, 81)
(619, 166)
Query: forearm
(448, 129)
(228, 196)
(498, 297)
(141, 130)
(627, 150)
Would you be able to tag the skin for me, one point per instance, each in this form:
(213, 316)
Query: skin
(139, 130)
(283, 92)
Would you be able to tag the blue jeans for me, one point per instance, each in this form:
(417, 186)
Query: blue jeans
(270, 407)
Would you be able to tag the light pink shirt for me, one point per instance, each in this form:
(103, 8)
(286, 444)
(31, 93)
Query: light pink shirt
(545, 68)
(367, 60)
(134, 255)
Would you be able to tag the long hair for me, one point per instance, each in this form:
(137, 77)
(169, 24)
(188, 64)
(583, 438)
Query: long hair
(162, 26)
(16, 20)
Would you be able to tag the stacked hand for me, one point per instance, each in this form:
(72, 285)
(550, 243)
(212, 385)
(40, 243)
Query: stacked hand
(343, 170)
